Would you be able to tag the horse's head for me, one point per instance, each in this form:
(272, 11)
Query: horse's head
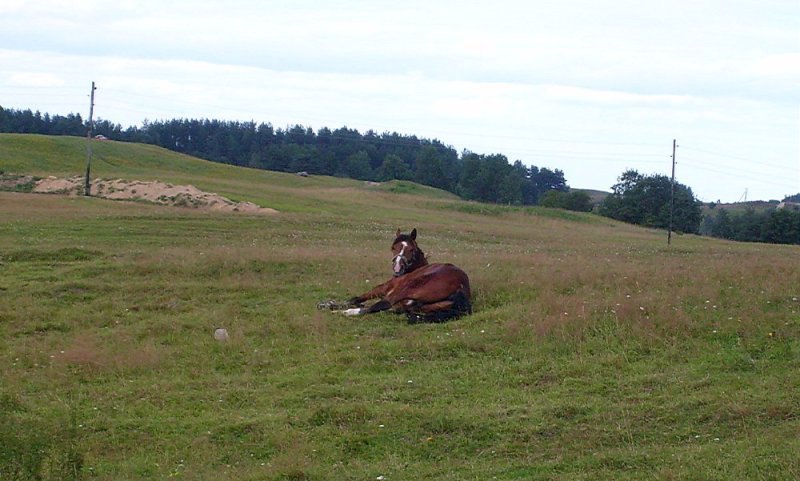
(407, 255)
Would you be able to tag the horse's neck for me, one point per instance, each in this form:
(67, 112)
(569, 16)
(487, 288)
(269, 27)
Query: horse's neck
(419, 261)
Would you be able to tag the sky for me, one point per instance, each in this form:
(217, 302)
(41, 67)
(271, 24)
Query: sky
(591, 87)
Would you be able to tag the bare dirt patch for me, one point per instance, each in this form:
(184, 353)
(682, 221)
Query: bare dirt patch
(154, 191)
(16, 183)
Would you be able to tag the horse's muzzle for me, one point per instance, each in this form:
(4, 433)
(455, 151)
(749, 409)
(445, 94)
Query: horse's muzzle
(399, 266)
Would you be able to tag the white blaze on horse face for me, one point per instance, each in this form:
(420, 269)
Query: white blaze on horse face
(398, 266)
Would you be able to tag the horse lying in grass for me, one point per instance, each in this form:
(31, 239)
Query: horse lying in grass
(424, 292)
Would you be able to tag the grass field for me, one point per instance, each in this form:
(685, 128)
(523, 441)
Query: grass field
(595, 351)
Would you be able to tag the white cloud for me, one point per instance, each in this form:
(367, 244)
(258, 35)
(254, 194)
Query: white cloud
(785, 66)
(34, 79)
(613, 99)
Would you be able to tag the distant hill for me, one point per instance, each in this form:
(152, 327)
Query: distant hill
(597, 196)
(65, 156)
(343, 152)
(756, 205)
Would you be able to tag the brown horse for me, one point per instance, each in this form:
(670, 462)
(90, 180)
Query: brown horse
(425, 292)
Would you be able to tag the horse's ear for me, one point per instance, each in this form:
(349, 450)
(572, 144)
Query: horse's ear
(414, 234)
(397, 234)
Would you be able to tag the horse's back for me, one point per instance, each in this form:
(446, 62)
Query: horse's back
(456, 273)
(434, 282)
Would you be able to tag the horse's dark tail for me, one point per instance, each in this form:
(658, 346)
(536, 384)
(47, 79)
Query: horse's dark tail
(460, 307)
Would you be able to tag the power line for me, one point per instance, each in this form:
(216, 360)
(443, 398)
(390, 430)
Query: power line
(615, 155)
(251, 111)
(728, 156)
(770, 182)
(727, 169)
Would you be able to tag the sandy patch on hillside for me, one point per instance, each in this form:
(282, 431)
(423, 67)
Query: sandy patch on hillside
(9, 182)
(155, 191)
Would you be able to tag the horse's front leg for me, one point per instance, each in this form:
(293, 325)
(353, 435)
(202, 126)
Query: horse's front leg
(354, 302)
(382, 305)
(378, 292)
(355, 305)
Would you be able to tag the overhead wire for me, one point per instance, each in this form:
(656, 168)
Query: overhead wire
(729, 156)
(617, 155)
(754, 178)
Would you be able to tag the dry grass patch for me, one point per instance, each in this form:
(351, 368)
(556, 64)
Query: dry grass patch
(88, 353)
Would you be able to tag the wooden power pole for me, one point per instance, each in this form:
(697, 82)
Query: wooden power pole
(672, 194)
(87, 185)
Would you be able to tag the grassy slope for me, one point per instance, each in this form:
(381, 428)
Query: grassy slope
(66, 156)
(595, 352)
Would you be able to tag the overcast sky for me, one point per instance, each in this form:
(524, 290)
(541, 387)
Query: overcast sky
(589, 87)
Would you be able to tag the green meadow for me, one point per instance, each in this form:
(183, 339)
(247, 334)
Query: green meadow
(595, 351)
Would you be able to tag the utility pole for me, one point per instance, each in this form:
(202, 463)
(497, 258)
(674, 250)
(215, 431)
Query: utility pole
(672, 194)
(87, 185)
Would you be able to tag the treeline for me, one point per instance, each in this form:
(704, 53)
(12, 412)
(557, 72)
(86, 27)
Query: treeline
(341, 152)
(27, 122)
(776, 226)
(648, 200)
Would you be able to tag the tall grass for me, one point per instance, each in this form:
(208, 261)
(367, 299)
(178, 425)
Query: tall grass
(595, 352)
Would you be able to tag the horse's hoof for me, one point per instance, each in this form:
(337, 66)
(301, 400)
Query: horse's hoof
(353, 312)
(327, 305)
